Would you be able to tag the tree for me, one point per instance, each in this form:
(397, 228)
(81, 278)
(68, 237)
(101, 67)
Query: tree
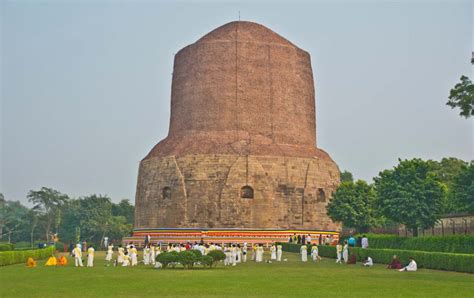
(124, 208)
(463, 189)
(48, 202)
(411, 194)
(346, 176)
(353, 205)
(14, 217)
(462, 96)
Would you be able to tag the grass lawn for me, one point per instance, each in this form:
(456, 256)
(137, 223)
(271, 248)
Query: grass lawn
(291, 278)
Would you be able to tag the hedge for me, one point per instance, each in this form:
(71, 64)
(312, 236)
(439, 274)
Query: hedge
(451, 244)
(430, 260)
(7, 246)
(21, 256)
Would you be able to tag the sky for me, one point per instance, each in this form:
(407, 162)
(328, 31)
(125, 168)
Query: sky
(85, 85)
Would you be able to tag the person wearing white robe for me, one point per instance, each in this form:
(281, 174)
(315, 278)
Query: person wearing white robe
(308, 239)
(412, 266)
(110, 253)
(146, 255)
(244, 253)
(304, 253)
(90, 256)
(279, 252)
(369, 262)
(126, 260)
(315, 253)
(78, 256)
(152, 255)
(202, 249)
(133, 255)
(233, 255)
(273, 255)
(339, 253)
(254, 252)
(120, 255)
(259, 254)
(364, 243)
(345, 252)
(227, 256)
(238, 257)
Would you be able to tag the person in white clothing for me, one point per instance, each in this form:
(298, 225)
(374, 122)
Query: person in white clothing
(259, 254)
(78, 255)
(304, 253)
(339, 253)
(227, 256)
(152, 254)
(412, 266)
(110, 252)
(125, 260)
(146, 255)
(233, 255)
(345, 252)
(244, 253)
(364, 243)
(133, 255)
(279, 252)
(273, 250)
(121, 251)
(308, 239)
(90, 256)
(368, 262)
(315, 253)
(238, 258)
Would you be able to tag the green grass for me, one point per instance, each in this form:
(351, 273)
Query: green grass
(291, 278)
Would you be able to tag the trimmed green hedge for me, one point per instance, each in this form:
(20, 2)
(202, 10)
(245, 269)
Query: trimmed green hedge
(451, 244)
(7, 246)
(21, 256)
(430, 260)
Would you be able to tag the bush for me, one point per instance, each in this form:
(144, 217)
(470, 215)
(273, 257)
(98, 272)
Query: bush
(206, 261)
(187, 259)
(167, 258)
(216, 255)
(23, 245)
(197, 253)
(21, 256)
(7, 246)
(431, 260)
(451, 244)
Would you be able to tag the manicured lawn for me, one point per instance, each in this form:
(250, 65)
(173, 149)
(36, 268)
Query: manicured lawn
(291, 278)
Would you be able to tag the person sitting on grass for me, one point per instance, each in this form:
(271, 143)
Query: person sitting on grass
(395, 263)
(62, 261)
(31, 263)
(411, 266)
(51, 261)
(368, 262)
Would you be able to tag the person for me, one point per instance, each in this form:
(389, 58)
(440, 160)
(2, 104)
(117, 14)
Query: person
(290, 240)
(126, 259)
(308, 239)
(412, 266)
(345, 252)
(120, 254)
(339, 253)
(146, 255)
(395, 263)
(90, 256)
(31, 263)
(303, 239)
(244, 253)
(62, 261)
(298, 239)
(51, 261)
(368, 262)
(233, 255)
(239, 254)
(147, 240)
(320, 240)
(315, 253)
(304, 253)
(84, 245)
(133, 255)
(273, 252)
(110, 252)
(106, 241)
(227, 256)
(364, 243)
(152, 254)
(327, 241)
(351, 241)
(254, 252)
(259, 254)
(78, 256)
(279, 252)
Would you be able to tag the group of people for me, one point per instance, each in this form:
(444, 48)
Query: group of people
(314, 253)
(308, 239)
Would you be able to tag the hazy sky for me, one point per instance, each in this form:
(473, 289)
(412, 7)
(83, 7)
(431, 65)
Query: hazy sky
(85, 85)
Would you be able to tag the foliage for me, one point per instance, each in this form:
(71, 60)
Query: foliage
(197, 253)
(6, 246)
(346, 176)
(216, 255)
(411, 194)
(206, 261)
(187, 259)
(20, 256)
(451, 244)
(462, 97)
(13, 219)
(353, 205)
(462, 189)
(167, 258)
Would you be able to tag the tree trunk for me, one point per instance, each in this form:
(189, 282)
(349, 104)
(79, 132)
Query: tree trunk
(415, 231)
(9, 236)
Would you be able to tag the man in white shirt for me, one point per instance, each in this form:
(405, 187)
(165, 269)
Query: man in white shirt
(364, 242)
(369, 262)
(411, 266)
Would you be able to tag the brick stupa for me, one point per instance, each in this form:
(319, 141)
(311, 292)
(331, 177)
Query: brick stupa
(240, 158)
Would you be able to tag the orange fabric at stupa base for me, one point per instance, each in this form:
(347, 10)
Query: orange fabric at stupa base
(62, 261)
(31, 263)
(51, 261)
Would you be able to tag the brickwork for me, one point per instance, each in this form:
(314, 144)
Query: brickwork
(242, 114)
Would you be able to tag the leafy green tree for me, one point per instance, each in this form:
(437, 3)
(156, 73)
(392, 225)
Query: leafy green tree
(346, 176)
(124, 208)
(463, 189)
(353, 205)
(411, 194)
(462, 97)
(14, 218)
(48, 202)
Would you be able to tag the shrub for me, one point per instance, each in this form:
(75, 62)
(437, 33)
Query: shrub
(167, 258)
(23, 245)
(20, 256)
(197, 253)
(451, 244)
(216, 255)
(206, 261)
(187, 259)
(7, 246)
